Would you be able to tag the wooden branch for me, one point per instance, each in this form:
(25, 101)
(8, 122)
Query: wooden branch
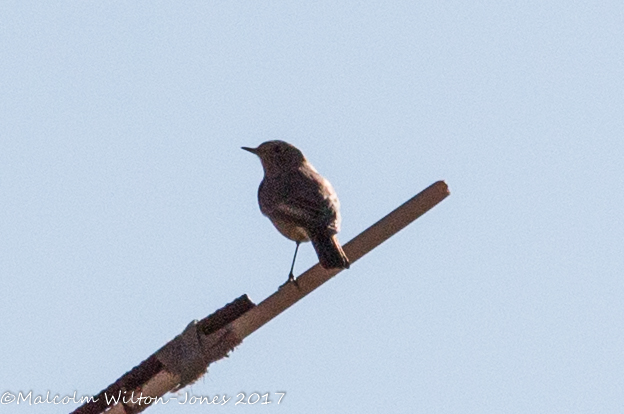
(226, 328)
(152, 368)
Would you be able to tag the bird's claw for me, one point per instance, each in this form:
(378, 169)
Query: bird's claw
(291, 279)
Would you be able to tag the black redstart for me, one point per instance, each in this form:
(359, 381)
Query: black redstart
(300, 203)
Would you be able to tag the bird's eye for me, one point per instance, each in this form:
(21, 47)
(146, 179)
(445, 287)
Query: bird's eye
(277, 150)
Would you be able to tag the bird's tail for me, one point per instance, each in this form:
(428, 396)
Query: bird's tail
(329, 251)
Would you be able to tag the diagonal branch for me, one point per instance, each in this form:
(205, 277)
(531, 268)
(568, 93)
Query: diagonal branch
(185, 358)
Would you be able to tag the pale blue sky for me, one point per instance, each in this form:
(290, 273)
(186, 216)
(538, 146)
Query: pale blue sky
(128, 208)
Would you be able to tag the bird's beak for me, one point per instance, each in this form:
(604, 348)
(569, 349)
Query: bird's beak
(252, 150)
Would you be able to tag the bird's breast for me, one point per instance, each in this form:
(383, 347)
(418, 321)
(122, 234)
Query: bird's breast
(290, 230)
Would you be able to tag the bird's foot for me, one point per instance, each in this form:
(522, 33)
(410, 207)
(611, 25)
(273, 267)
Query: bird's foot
(291, 279)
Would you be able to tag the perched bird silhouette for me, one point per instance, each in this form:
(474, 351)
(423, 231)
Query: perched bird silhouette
(300, 203)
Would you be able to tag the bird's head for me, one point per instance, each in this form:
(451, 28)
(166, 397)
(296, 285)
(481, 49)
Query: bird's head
(278, 156)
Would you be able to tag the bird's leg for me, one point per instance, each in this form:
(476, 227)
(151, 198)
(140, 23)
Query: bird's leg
(291, 276)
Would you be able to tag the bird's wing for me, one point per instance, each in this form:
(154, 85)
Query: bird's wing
(306, 199)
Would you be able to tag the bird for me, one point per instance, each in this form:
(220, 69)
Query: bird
(301, 204)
